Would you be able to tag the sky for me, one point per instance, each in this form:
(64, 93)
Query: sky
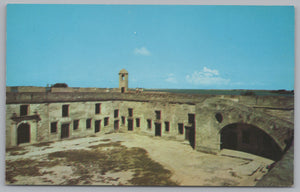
(161, 46)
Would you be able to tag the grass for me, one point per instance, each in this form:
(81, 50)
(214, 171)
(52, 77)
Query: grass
(98, 160)
(25, 167)
(13, 153)
(44, 144)
(13, 149)
(105, 140)
(119, 158)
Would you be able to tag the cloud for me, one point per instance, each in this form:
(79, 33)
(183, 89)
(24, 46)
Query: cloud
(171, 78)
(207, 77)
(142, 51)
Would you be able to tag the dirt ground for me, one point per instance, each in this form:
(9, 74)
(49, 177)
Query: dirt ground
(129, 159)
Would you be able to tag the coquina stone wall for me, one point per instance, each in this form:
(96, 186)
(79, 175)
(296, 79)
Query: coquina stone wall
(40, 130)
(273, 113)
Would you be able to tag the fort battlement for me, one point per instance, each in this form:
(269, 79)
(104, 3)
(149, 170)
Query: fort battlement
(271, 102)
(259, 124)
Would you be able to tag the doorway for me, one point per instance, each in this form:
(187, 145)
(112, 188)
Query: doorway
(116, 125)
(190, 135)
(97, 126)
(23, 133)
(157, 129)
(130, 124)
(64, 130)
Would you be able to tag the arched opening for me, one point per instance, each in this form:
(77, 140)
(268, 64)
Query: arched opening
(23, 133)
(122, 89)
(250, 139)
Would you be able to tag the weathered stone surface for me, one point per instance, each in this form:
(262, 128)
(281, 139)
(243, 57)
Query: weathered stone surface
(282, 175)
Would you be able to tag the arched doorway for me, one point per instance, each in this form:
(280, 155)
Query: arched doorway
(23, 133)
(250, 139)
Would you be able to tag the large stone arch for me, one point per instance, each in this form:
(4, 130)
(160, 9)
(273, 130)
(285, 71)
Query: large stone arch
(251, 139)
(213, 115)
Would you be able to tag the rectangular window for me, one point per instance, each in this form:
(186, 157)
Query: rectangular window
(149, 123)
(65, 110)
(246, 137)
(106, 121)
(75, 124)
(191, 118)
(116, 113)
(97, 108)
(167, 126)
(123, 120)
(53, 127)
(130, 112)
(180, 128)
(158, 115)
(88, 123)
(23, 110)
(137, 121)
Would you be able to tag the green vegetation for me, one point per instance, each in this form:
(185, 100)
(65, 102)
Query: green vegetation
(26, 167)
(248, 93)
(44, 144)
(98, 160)
(117, 159)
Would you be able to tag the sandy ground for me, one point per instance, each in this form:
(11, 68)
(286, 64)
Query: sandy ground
(188, 167)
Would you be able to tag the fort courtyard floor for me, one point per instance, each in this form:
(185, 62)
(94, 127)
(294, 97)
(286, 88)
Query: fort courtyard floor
(129, 159)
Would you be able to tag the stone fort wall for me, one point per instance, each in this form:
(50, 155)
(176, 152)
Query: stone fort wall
(142, 111)
(45, 108)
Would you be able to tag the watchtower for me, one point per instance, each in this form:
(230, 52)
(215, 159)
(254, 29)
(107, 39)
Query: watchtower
(123, 81)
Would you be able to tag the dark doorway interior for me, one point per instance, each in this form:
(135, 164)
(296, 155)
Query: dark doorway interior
(249, 139)
(180, 128)
(64, 130)
(157, 129)
(23, 133)
(130, 124)
(229, 138)
(190, 135)
(123, 90)
(116, 124)
(190, 130)
(97, 126)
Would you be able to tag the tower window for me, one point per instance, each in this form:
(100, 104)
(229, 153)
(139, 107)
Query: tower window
(23, 110)
(123, 77)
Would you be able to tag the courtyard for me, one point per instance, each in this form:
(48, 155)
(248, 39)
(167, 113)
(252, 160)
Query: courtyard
(129, 159)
